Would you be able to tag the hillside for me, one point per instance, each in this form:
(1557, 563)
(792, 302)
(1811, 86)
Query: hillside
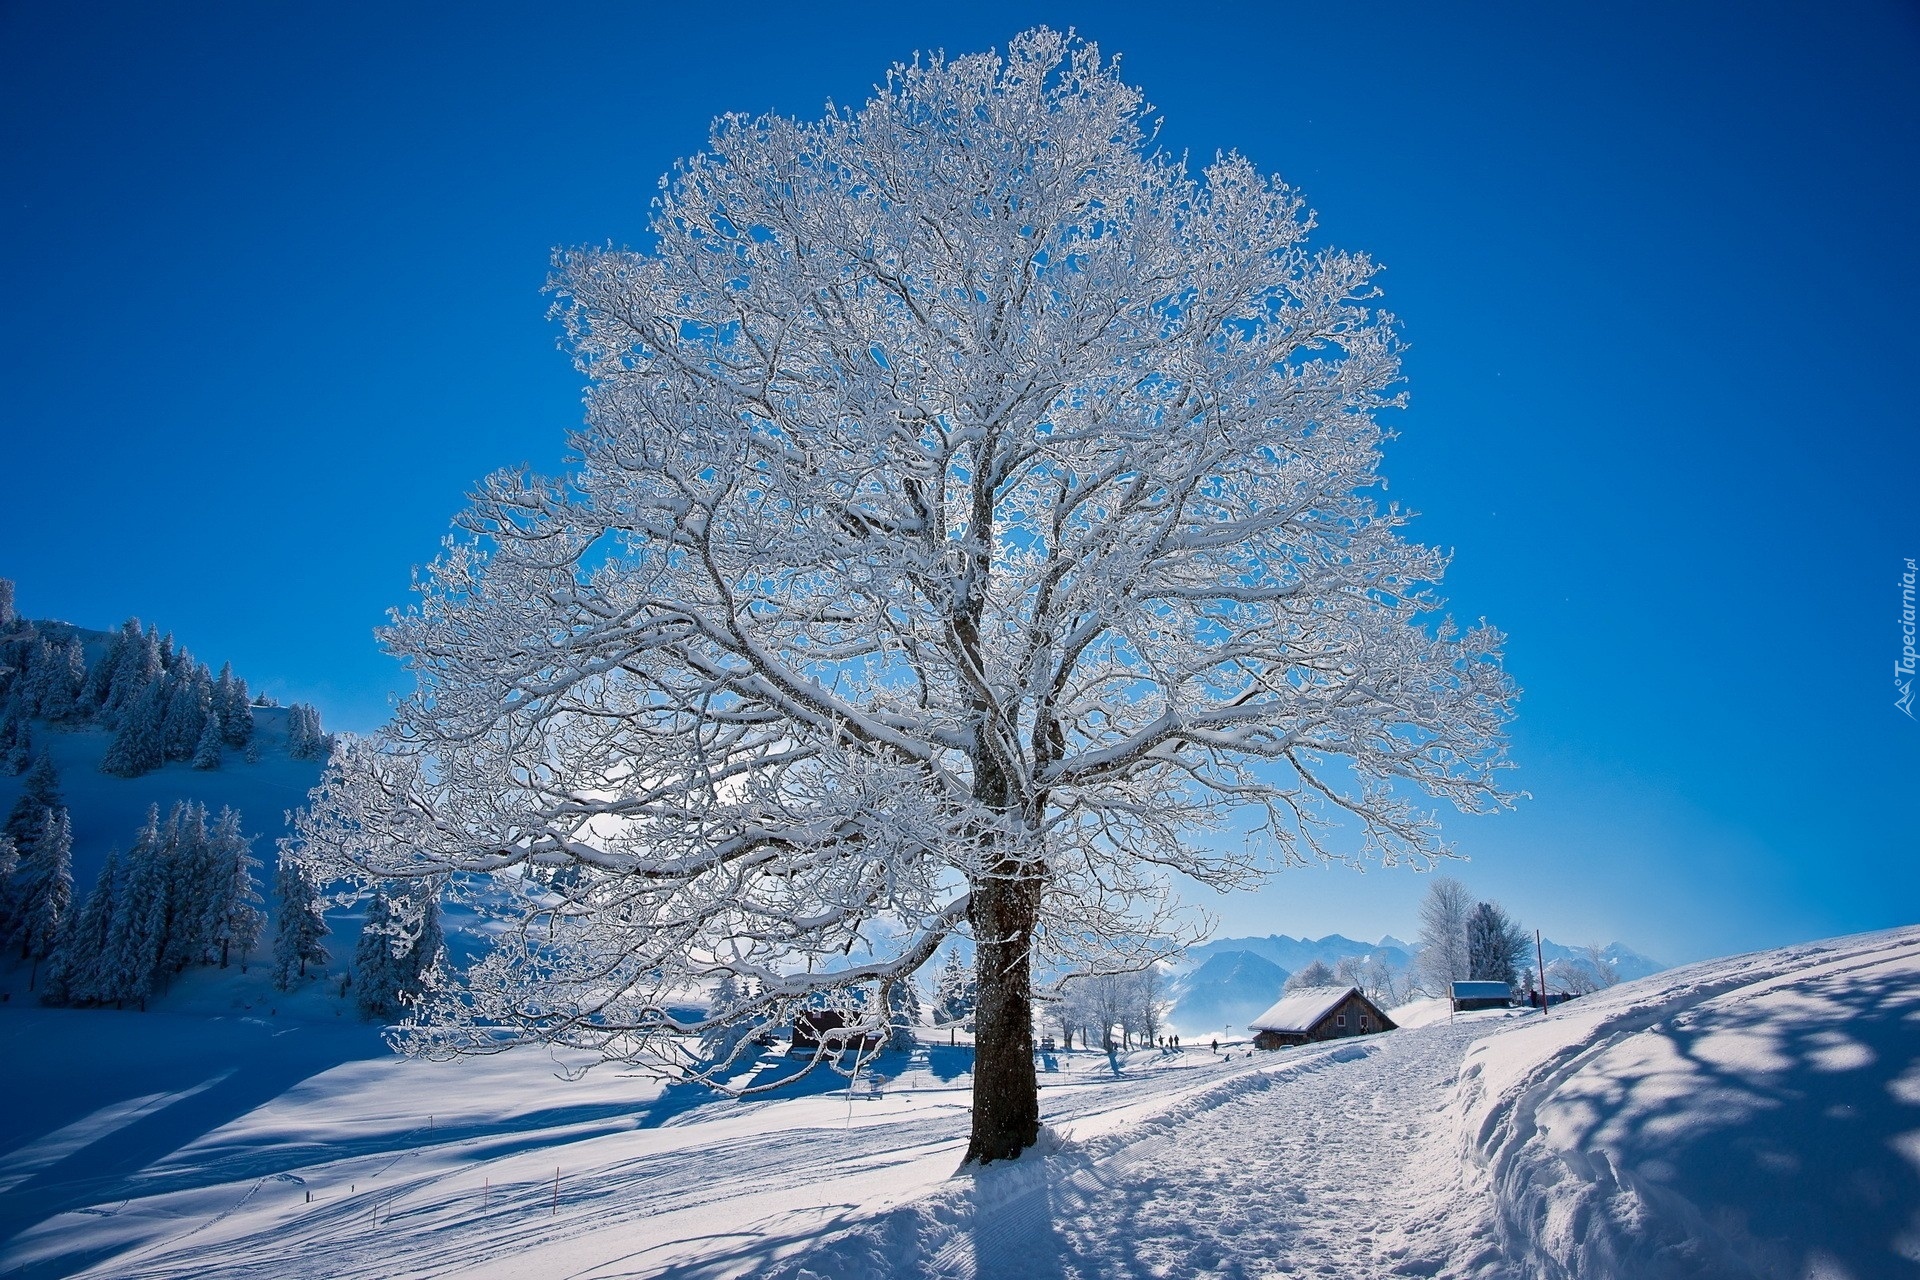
(107, 810)
(97, 730)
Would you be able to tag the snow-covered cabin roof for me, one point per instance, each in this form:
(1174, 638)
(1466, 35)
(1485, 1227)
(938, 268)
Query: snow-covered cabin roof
(1297, 1011)
(1482, 991)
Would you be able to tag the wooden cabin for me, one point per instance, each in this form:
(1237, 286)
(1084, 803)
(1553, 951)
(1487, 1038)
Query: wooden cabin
(1318, 1013)
(1480, 995)
(811, 1027)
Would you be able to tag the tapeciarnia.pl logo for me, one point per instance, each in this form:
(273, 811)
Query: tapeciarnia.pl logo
(1903, 669)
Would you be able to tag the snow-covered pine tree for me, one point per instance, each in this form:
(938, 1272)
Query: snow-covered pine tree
(1496, 945)
(903, 1013)
(953, 998)
(75, 974)
(137, 669)
(55, 678)
(7, 615)
(42, 792)
(28, 656)
(16, 740)
(131, 956)
(9, 890)
(13, 673)
(395, 951)
(420, 921)
(305, 738)
(376, 981)
(231, 705)
(189, 705)
(47, 897)
(189, 884)
(139, 744)
(71, 663)
(206, 753)
(235, 921)
(299, 924)
(99, 682)
(223, 693)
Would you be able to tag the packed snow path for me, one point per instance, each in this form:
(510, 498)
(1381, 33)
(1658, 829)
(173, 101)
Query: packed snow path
(1327, 1170)
(1324, 1161)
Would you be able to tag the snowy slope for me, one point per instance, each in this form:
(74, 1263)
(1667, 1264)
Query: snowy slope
(107, 811)
(1753, 1116)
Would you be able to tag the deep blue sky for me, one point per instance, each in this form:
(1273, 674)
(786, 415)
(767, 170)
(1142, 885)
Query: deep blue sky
(272, 281)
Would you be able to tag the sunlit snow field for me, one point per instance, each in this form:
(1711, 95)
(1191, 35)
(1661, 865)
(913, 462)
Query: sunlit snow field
(1752, 1116)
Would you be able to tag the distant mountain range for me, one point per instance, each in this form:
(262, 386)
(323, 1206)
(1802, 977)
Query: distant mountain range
(1225, 983)
(1228, 990)
(1627, 963)
(1293, 954)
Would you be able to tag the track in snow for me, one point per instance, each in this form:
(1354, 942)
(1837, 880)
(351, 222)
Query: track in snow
(1325, 1161)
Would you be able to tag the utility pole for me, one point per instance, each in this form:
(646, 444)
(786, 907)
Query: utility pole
(1540, 958)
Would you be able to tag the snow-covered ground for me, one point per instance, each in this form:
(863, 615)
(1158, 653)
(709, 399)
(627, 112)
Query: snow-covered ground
(1752, 1116)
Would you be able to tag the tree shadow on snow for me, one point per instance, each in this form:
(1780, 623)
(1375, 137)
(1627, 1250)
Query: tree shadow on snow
(949, 1062)
(227, 1069)
(1778, 1156)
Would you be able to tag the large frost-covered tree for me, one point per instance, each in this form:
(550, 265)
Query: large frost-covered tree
(974, 502)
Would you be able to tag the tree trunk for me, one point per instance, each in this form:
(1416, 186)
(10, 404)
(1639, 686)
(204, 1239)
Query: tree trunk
(1006, 1091)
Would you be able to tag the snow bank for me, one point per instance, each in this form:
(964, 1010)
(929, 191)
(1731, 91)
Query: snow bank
(1421, 1013)
(1752, 1116)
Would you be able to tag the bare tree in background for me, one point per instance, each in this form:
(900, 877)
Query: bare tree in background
(974, 502)
(1315, 974)
(1443, 956)
(1595, 957)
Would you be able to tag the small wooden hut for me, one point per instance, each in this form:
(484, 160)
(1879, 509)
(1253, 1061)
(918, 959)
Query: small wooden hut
(1318, 1013)
(1480, 995)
